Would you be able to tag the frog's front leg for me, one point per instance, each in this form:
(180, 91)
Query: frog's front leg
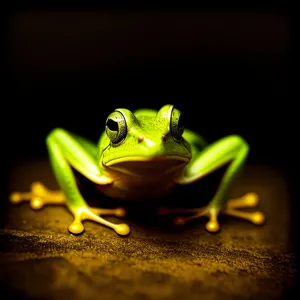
(232, 150)
(66, 150)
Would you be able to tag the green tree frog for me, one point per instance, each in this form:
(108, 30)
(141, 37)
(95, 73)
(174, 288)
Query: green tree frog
(142, 154)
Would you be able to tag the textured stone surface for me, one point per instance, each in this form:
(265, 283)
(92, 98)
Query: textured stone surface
(41, 260)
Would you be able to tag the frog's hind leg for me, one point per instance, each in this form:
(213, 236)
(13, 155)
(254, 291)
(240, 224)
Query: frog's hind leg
(232, 208)
(231, 151)
(67, 151)
(38, 196)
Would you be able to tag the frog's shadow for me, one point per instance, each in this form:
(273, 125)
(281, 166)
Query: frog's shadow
(144, 214)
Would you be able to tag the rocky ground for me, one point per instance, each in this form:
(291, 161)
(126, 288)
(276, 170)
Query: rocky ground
(40, 259)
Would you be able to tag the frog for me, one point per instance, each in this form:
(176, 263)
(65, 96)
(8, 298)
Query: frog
(143, 154)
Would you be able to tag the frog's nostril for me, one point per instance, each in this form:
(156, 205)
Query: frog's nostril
(164, 138)
(140, 138)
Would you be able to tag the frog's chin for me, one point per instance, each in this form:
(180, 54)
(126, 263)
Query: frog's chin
(154, 166)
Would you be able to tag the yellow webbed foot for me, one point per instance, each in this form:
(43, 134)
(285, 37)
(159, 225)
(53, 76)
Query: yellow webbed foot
(247, 201)
(91, 214)
(232, 209)
(38, 196)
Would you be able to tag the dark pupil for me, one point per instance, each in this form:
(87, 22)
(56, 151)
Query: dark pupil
(112, 125)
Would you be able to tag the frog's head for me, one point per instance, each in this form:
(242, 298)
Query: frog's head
(145, 142)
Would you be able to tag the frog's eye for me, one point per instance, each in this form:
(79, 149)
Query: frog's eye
(115, 127)
(176, 126)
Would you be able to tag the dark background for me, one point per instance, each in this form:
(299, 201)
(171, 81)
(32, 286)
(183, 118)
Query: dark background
(227, 69)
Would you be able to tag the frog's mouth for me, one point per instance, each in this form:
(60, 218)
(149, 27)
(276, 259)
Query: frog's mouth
(148, 166)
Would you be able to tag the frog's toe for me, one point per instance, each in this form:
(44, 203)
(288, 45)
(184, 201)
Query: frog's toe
(118, 212)
(15, 197)
(91, 214)
(36, 203)
(255, 217)
(249, 200)
(122, 229)
(76, 227)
